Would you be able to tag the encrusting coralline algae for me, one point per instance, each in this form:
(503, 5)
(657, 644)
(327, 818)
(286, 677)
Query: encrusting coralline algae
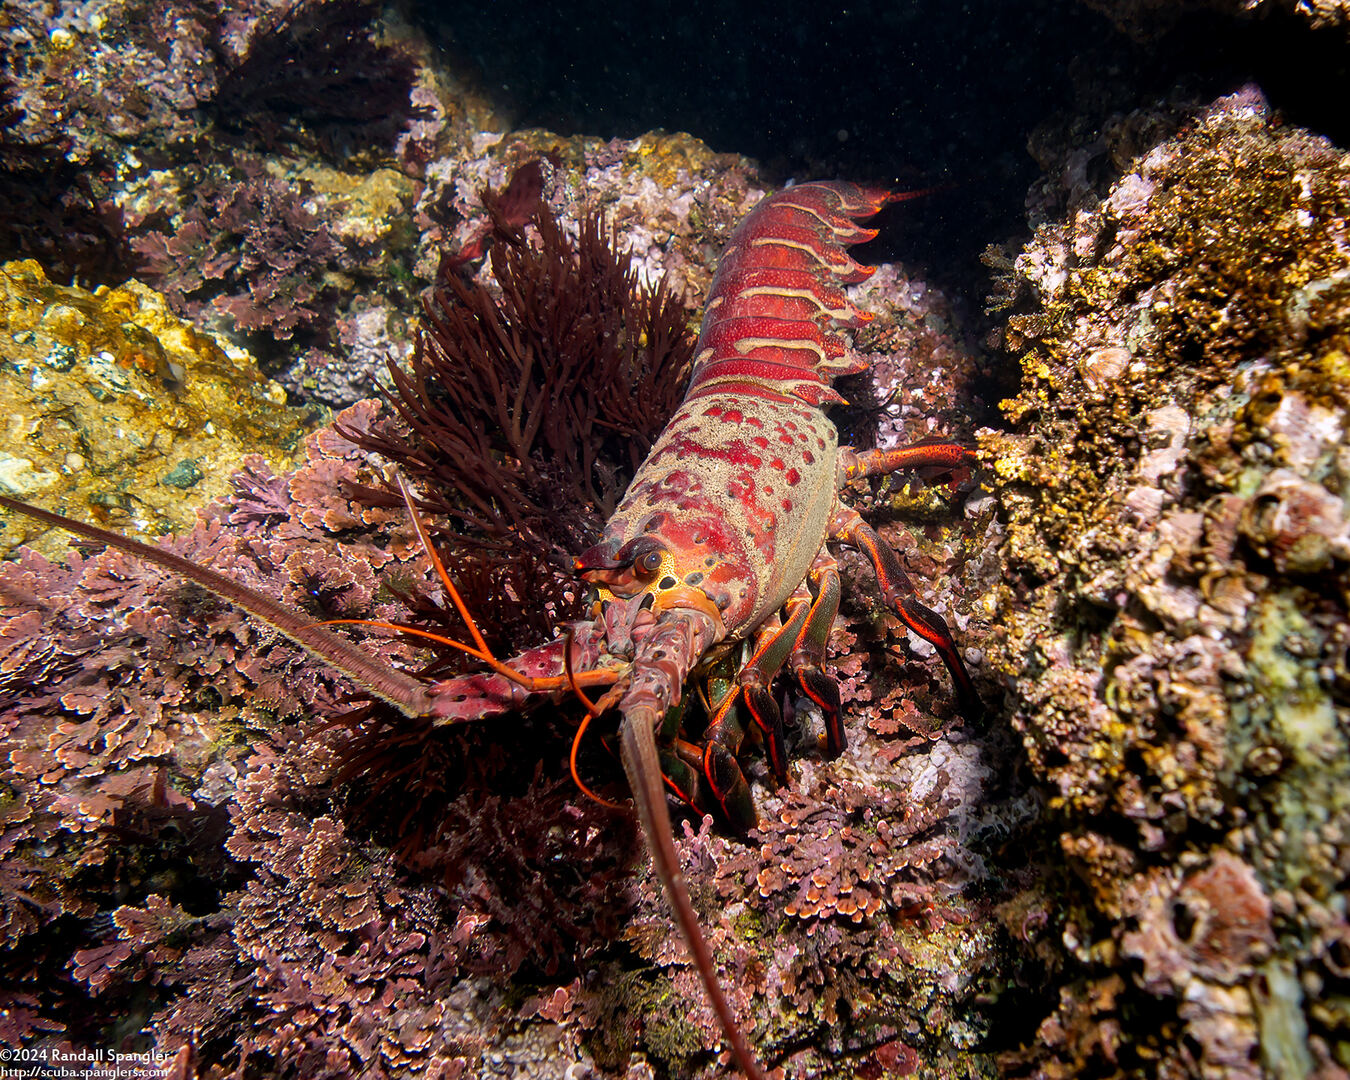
(1172, 620)
(1149, 582)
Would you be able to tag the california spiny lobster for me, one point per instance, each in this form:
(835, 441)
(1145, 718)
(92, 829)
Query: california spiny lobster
(718, 545)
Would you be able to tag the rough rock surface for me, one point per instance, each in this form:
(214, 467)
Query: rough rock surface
(1172, 625)
(117, 409)
(1147, 19)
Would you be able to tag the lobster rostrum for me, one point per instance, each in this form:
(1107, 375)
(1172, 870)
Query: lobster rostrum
(718, 545)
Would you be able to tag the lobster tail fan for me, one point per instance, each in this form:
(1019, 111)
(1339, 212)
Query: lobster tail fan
(641, 763)
(402, 691)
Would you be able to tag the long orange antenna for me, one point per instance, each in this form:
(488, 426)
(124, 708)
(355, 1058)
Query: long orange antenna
(481, 650)
(592, 711)
(380, 624)
(598, 677)
(484, 652)
(576, 776)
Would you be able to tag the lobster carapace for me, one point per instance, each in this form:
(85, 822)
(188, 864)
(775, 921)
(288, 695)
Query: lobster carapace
(720, 539)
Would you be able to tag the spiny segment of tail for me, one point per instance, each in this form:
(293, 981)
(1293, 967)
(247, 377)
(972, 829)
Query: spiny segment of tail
(765, 327)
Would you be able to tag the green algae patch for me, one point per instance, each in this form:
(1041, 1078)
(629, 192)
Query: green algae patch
(118, 412)
(647, 1003)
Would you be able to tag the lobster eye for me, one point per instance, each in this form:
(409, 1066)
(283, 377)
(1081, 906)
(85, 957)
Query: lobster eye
(649, 563)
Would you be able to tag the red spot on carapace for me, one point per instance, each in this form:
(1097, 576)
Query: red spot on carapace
(787, 506)
(808, 457)
(761, 442)
(713, 410)
(778, 463)
(733, 416)
(794, 477)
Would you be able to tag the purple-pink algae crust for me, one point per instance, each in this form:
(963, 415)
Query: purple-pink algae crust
(177, 832)
(172, 830)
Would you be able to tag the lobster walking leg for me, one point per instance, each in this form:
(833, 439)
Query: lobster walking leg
(799, 643)
(681, 768)
(722, 776)
(807, 658)
(898, 591)
(857, 463)
(773, 643)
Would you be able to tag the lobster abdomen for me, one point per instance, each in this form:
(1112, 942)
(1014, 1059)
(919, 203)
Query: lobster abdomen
(742, 481)
(764, 330)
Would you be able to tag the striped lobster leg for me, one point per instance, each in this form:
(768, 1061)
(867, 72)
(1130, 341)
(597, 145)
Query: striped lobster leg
(809, 654)
(849, 528)
(797, 643)
(753, 694)
(897, 590)
(859, 463)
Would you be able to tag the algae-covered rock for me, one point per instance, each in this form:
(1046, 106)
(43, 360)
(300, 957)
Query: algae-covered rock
(117, 411)
(671, 198)
(369, 213)
(1174, 608)
(1149, 19)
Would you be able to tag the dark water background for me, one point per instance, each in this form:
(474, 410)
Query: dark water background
(905, 93)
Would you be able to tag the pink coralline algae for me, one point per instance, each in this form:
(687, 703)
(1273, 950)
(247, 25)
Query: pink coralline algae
(298, 894)
(844, 915)
(172, 765)
(49, 205)
(111, 672)
(244, 244)
(265, 254)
